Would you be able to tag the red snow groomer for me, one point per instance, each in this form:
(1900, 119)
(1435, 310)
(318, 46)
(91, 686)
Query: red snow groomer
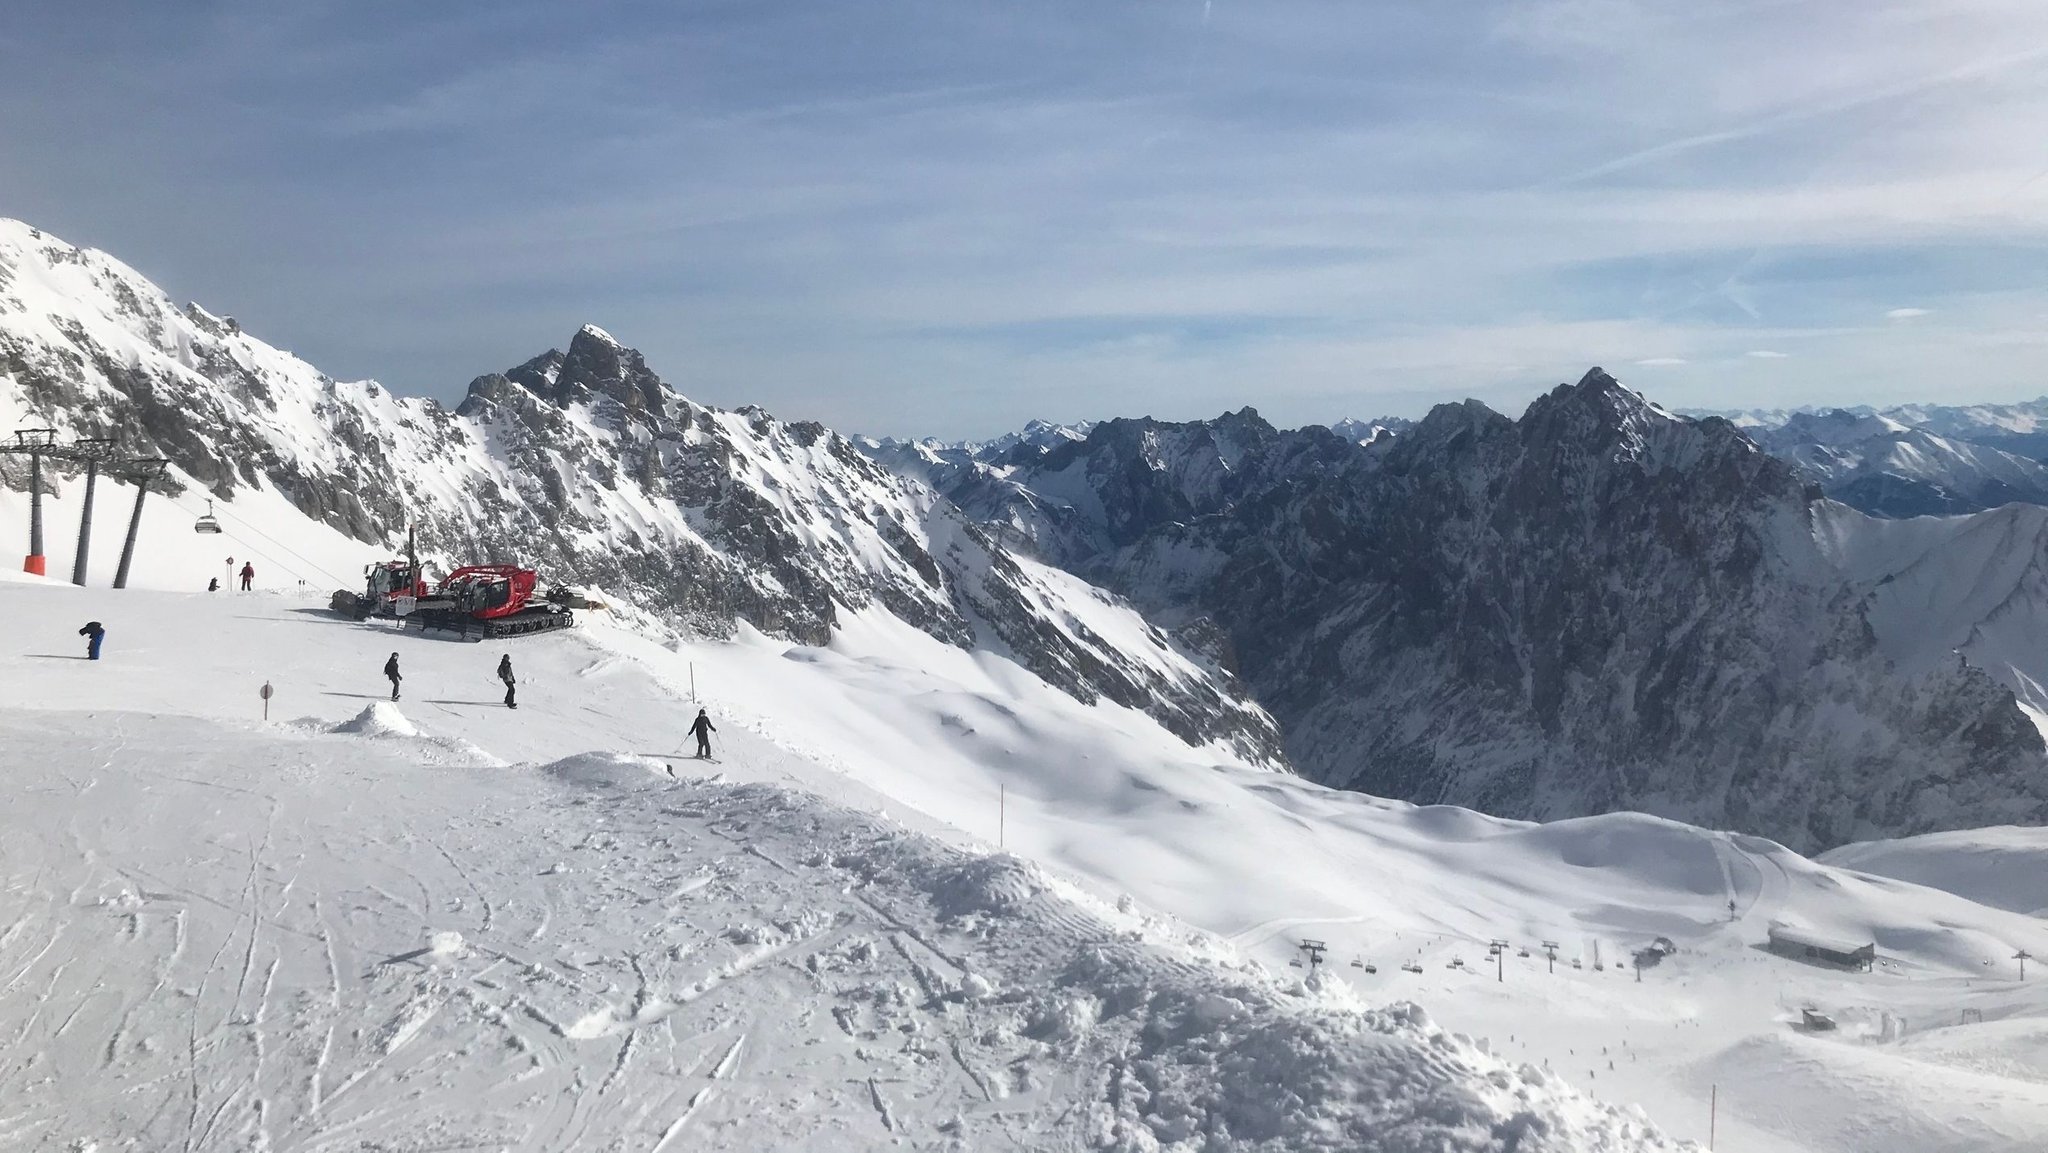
(491, 600)
(386, 585)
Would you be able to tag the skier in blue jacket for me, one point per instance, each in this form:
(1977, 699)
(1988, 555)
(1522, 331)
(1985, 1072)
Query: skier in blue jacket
(94, 633)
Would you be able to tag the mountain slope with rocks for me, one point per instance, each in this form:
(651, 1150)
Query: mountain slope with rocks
(585, 464)
(1599, 606)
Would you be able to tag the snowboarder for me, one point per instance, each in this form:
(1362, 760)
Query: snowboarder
(248, 574)
(391, 673)
(702, 728)
(94, 633)
(511, 683)
(213, 584)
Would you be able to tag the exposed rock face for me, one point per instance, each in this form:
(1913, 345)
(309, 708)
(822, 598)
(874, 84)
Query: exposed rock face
(1599, 606)
(588, 466)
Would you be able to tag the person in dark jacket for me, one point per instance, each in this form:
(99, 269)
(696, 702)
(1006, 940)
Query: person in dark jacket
(248, 574)
(511, 682)
(213, 584)
(702, 728)
(391, 673)
(94, 633)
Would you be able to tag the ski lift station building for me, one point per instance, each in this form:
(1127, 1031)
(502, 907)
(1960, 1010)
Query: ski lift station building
(1821, 949)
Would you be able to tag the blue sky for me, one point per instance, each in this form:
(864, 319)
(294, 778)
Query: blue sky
(917, 216)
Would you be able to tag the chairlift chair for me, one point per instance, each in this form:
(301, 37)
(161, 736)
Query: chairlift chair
(207, 523)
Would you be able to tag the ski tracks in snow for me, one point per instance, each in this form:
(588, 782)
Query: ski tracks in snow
(387, 954)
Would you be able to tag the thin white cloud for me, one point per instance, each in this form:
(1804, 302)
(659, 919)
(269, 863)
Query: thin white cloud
(827, 206)
(1766, 354)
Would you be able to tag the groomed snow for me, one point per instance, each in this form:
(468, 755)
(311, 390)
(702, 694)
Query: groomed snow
(151, 770)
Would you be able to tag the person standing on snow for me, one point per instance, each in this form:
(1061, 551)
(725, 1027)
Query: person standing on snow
(511, 683)
(702, 729)
(391, 673)
(248, 574)
(94, 633)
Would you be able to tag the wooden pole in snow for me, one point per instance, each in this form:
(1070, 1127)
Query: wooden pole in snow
(1002, 814)
(1713, 1115)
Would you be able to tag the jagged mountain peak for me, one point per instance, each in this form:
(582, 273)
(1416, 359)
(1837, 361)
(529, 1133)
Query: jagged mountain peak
(583, 464)
(596, 365)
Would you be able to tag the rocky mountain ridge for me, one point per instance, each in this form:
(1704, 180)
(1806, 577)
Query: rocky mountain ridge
(1601, 605)
(585, 464)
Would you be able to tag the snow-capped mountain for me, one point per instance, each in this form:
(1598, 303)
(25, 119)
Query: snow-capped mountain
(1888, 467)
(1367, 431)
(2021, 429)
(1599, 606)
(585, 464)
(1912, 460)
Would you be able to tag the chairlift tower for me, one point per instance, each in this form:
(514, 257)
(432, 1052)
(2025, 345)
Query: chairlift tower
(1314, 951)
(93, 450)
(140, 473)
(96, 453)
(1500, 959)
(2023, 957)
(34, 443)
(1550, 955)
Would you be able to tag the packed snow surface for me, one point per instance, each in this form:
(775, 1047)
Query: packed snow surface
(2004, 867)
(447, 924)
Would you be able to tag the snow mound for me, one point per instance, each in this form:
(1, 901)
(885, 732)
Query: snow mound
(603, 770)
(998, 885)
(1251, 1067)
(381, 719)
(2005, 867)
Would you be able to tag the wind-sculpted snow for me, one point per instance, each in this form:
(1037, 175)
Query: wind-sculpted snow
(582, 463)
(1600, 606)
(223, 939)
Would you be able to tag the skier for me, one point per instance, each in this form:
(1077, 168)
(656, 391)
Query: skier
(702, 728)
(391, 672)
(94, 633)
(511, 683)
(213, 584)
(248, 574)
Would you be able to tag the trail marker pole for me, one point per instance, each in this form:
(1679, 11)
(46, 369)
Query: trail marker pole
(693, 682)
(1713, 1115)
(265, 692)
(1002, 814)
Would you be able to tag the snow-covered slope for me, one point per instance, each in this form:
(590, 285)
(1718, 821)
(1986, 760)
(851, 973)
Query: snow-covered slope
(2005, 867)
(257, 920)
(583, 463)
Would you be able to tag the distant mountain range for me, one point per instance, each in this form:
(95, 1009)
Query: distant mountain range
(1914, 460)
(1600, 605)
